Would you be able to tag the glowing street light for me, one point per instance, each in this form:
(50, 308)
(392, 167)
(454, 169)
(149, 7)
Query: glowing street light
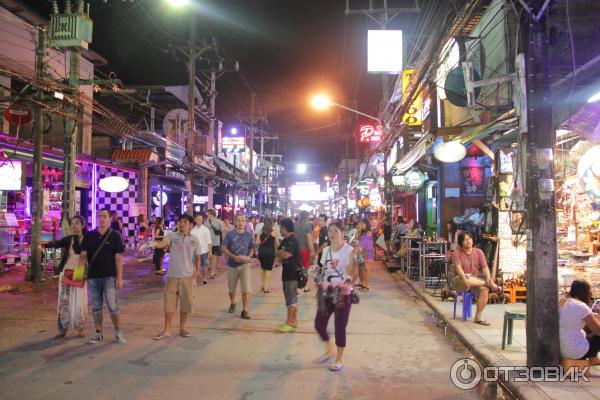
(301, 168)
(321, 102)
(179, 3)
(327, 178)
(234, 131)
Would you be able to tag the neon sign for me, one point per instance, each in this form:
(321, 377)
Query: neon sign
(370, 133)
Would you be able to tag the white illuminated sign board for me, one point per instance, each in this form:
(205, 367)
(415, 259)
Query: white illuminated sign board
(384, 51)
(10, 175)
(307, 191)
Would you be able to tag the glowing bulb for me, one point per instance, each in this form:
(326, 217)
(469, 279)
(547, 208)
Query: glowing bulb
(301, 168)
(321, 102)
(179, 3)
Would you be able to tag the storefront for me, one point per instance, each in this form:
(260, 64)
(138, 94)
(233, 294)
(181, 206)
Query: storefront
(93, 192)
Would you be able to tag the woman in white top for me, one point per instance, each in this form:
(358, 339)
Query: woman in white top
(335, 293)
(574, 315)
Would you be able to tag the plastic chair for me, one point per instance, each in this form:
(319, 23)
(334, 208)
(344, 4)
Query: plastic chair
(467, 306)
(507, 327)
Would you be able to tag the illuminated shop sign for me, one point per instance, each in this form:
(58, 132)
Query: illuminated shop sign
(413, 179)
(370, 133)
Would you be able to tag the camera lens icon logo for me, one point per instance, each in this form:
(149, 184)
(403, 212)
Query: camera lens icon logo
(465, 374)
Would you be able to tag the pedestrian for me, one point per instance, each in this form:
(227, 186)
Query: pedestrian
(453, 233)
(291, 261)
(203, 235)
(238, 245)
(363, 251)
(103, 250)
(142, 228)
(323, 237)
(72, 300)
(303, 231)
(387, 235)
(268, 244)
(159, 252)
(184, 266)
(335, 294)
(473, 274)
(114, 222)
(217, 233)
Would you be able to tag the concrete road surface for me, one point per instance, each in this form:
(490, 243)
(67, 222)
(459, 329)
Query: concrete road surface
(394, 349)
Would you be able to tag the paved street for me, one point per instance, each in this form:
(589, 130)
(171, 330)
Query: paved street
(394, 350)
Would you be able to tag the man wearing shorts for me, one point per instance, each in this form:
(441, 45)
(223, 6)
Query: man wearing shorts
(102, 249)
(184, 265)
(472, 273)
(217, 232)
(238, 245)
(289, 253)
(202, 233)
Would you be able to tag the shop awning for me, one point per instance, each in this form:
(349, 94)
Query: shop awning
(135, 156)
(415, 154)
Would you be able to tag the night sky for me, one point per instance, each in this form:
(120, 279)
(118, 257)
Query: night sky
(287, 50)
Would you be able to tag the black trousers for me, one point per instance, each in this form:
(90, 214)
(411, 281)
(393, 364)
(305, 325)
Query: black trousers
(594, 342)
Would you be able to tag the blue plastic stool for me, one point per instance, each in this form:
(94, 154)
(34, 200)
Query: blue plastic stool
(467, 304)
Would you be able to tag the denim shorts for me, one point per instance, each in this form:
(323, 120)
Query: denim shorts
(290, 292)
(102, 289)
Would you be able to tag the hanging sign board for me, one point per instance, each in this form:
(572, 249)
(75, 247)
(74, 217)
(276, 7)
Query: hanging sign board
(413, 116)
(370, 133)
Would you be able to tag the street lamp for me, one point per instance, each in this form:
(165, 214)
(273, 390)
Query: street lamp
(322, 102)
(301, 168)
(327, 178)
(179, 3)
(234, 131)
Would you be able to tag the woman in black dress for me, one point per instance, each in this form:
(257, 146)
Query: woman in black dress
(266, 252)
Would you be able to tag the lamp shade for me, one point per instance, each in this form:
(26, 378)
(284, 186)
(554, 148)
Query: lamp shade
(113, 184)
(450, 152)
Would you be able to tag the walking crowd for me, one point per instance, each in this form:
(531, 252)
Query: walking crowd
(333, 254)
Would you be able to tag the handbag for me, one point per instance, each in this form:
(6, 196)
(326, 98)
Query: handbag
(68, 279)
(302, 277)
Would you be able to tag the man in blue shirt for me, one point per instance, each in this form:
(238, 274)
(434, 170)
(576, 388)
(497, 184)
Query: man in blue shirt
(238, 245)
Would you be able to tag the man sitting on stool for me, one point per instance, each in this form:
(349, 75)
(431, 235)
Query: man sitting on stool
(472, 273)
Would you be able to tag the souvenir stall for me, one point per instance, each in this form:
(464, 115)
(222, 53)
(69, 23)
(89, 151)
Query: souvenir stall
(578, 214)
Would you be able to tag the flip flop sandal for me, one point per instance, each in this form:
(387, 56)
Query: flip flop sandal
(161, 336)
(185, 334)
(482, 322)
(323, 359)
(336, 367)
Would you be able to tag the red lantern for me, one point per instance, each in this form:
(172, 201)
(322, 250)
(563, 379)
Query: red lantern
(18, 115)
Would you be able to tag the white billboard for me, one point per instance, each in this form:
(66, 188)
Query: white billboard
(384, 51)
(307, 191)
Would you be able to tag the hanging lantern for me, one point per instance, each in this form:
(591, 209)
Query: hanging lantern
(359, 203)
(366, 202)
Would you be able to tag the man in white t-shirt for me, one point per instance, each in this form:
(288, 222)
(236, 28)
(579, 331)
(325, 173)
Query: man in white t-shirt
(202, 233)
(184, 265)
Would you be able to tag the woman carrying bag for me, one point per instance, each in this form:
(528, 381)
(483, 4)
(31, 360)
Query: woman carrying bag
(268, 243)
(335, 295)
(72, 288)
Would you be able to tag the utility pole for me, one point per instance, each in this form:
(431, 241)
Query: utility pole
(191, 119)
(37, 206)
(73, 32)
(381, 16)
(542, 298)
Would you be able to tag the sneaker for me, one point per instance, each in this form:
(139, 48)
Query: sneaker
(231, 308)
(120, 338)
(97, 338)
(205, 282)
(285, 328)
(245, 315)
(161, 272)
